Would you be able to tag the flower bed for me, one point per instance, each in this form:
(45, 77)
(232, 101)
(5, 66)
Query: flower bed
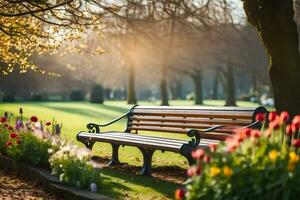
(252, 164)
(38, 143)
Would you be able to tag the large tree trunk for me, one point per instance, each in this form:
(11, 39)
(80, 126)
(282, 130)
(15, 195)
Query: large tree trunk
(197, 78)
(229, 86)
(131, 96)
(164, 87)
(274, 21)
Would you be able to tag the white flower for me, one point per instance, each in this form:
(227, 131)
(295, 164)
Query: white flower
(50, 151)
(93, 187)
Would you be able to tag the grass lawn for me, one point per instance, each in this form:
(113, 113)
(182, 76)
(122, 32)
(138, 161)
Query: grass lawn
(75, 115)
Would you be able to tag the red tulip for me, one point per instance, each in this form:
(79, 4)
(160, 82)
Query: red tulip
(207, 159)
(255, 133)
(296, 143)
(289, 130)
(34, 119)
(296, 119)
(2, 119)
(48, 123)
(18, 141)
(194, 171)
(275, 124)
(8, 143)
(13, 135)
(179, 194)
(247, 132)
(295, 127)
(272, 116)
(198, 154)
(284, 117)
(213, 147)
(260, 117)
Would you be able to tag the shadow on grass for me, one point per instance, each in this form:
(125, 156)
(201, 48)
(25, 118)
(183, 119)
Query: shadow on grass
(121, 179)
(97, 112)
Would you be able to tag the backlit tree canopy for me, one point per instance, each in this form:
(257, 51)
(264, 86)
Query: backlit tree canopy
(34, 27)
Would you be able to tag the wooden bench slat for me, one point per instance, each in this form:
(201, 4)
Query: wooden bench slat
(175, 125)
(240, 122)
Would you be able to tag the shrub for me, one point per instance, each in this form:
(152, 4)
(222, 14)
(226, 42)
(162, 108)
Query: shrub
(28, 148)
(73, 166)
(252, 164)
(97, 94)
(77, 95)
(7, 97)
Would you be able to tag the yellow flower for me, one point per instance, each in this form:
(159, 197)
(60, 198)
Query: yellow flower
(214, 171)
(227, 171)
(273, 155)
(294, 158)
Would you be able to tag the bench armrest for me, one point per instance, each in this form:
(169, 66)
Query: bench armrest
(255, 124)
(194, 134)
(95, 128)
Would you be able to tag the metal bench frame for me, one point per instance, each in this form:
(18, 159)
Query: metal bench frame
(94, 135)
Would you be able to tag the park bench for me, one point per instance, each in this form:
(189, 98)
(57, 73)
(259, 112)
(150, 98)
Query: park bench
(204, 125)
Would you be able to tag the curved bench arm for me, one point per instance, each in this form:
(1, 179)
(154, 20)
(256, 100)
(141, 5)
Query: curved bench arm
(95, 128)
(255, 124)
(194, 134)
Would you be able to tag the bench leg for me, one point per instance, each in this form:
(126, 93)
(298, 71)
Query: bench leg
(147, 160)
(186, 151)
(115, 155)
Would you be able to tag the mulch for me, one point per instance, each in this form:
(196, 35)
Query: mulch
(172, 174)
(14, 188)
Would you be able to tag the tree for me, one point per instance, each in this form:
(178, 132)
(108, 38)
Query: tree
(274, 22)
(28, 28)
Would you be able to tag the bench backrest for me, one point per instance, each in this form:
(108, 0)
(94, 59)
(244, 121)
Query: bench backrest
(180, 119)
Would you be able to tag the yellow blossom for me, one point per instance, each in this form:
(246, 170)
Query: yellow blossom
(227, 171)
(214, 171)
(294, 158)
(273, 155)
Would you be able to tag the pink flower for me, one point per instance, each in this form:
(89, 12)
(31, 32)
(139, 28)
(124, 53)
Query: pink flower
(213, 147)
(275, 124)
(194, 171)
(284, 117)
(260, 117)
(8, 143)
(198, 154)
(34, 119)
(255, 133)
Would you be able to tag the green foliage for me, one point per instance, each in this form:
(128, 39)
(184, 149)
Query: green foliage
(97, 94)
(72, 165)
(77, 95)
(251, 165)
(31, 149)
(3, 139)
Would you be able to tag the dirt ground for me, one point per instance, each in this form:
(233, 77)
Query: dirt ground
(15, 188)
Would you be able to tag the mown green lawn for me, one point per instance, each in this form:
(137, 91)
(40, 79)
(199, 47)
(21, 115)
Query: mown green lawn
(123, 185)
